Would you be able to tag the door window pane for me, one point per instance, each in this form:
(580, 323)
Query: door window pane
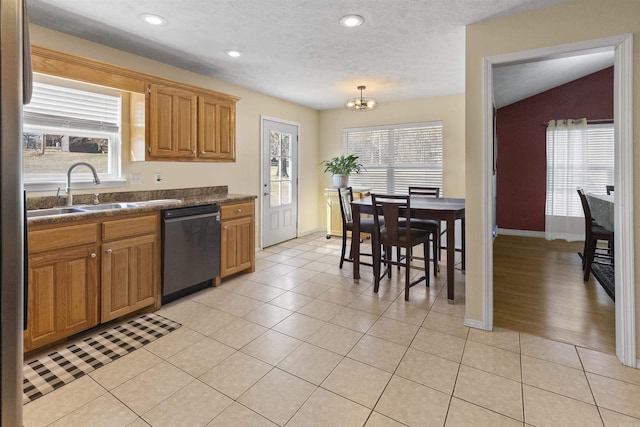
(280, 168)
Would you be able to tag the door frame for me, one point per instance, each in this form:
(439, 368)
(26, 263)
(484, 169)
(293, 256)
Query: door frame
(624, 223)
(261, 196)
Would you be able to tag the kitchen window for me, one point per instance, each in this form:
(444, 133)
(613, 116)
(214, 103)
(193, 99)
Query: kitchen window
(67, 122)
(397, 156)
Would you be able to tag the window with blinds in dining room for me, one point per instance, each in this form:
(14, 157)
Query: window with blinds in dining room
(397, 156)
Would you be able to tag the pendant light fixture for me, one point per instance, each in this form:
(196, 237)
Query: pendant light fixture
(361, 104)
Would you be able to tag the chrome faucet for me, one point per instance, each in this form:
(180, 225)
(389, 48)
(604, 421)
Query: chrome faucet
(96, 180)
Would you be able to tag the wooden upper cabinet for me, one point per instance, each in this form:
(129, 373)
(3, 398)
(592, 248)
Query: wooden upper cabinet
(172, 115)
(216, 128)
(182, 122)
(190, 125)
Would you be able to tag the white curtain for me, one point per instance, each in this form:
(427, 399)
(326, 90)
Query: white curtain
(567, 162)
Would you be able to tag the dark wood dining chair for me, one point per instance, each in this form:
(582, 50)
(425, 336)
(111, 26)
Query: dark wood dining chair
(429, 225)
(345, 195)
(395, 210)
(593, 233)
(610, 189)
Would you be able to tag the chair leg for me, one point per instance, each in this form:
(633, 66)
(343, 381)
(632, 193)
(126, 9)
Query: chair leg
(344, 247)
(377, 261)
(407, 274)
(399, 254)
(387, 257)
(426, 266)
(436, 264)
(588, 256)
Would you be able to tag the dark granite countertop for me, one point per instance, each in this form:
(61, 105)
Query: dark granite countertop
(163, 199)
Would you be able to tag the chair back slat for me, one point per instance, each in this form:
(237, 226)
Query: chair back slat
(588, 219)
(393, 208)
(425, 191)
(346, 197)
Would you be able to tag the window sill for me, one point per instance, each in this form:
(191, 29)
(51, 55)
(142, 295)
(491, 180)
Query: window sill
(76, 185)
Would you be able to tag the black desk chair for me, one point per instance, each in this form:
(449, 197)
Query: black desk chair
(593, 233)
(366, 224)
(394, 234)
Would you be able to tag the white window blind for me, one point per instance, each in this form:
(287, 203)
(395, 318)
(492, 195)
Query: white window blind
(578, 163)
(62, 107)
(67, 122)
(397, 156)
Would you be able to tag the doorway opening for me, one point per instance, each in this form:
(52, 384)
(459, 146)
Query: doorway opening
(623, 124)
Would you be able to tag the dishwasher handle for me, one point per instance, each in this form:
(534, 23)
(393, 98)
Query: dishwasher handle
(192, 217)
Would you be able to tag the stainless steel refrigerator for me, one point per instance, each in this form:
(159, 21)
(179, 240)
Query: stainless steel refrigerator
(15, 71)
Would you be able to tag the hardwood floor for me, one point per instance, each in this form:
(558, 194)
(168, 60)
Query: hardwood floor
(538, 289)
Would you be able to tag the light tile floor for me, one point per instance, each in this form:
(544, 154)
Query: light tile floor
(298, 343)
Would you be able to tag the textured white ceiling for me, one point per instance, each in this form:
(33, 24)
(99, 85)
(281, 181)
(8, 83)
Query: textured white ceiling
(294, 49)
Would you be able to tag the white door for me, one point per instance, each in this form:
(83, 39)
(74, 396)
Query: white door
(279, 182)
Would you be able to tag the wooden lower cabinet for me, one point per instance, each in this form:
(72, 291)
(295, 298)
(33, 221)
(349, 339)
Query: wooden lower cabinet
(63, 286)
(84, 274)
(129, 276)
(130, 265)
(238, 238)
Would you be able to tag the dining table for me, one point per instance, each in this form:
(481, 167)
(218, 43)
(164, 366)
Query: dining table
(602, 209)
(422, 207)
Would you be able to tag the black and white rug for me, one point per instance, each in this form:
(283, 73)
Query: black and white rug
(52, 371)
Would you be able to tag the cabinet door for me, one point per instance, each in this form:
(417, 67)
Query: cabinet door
(237, 245)
(63, 294)
(129, 275)
(172, 122)
(216, 128)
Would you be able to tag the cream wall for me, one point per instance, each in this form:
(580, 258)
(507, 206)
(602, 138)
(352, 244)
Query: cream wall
(449, 109)
(242, 176)
(568, 23)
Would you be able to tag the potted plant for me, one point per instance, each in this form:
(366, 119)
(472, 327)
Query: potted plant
(340, 167)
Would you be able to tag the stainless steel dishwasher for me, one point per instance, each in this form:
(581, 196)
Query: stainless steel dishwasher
(190, 249)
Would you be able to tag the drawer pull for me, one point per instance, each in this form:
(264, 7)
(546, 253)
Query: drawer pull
(93, 255)
(109, 251)
(239, 210)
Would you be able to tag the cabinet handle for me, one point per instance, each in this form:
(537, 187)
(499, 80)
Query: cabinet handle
(93, 255)
(109, 251)
(202, 152)
(239, 210)
(225, 227)
(194, 152)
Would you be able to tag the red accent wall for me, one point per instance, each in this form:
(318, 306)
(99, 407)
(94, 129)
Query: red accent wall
(521, 136)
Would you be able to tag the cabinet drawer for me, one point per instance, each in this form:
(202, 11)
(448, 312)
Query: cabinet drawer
(236, 210)
(62, 237)
(129, 227)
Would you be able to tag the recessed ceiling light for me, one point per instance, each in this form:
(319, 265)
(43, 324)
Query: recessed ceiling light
(234, 53)
(153, 19)
(351, 21)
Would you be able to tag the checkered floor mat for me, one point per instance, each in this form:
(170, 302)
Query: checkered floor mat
(54, 370)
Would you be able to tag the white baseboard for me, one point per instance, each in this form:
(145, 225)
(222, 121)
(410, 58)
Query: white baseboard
(521, 233)
(477, 324)
(315, 230)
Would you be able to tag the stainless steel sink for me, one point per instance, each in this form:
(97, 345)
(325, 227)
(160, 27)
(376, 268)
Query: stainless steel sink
(157, 202)
(97, 208)
(107, 206)
(52, 212)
